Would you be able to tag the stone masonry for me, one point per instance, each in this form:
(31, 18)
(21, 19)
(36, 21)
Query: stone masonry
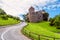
(35, 16)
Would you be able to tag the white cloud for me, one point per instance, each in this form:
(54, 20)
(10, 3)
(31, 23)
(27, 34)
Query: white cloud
(51, 7)
(15, 7)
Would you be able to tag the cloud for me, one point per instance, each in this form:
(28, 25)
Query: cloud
(52, 6)
(16, 7)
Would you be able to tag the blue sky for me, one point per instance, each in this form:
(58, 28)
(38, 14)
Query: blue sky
(53, 13)
(52, 8)
(18, 7)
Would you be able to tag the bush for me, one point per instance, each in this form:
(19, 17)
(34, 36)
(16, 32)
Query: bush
(2, 12)
(17, 18)
(52, 21)
(45, 16)
(9, 16)
(55, 21)
(4, 18)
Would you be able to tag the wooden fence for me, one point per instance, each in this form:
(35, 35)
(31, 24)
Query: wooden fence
(38, 36)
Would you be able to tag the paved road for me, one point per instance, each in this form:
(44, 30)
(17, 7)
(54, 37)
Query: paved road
(13, 32)
(1, 31)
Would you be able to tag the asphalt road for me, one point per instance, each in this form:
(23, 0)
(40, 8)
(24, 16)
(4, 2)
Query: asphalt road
(13, 32)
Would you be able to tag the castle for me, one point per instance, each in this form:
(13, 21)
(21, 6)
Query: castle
(36, 16)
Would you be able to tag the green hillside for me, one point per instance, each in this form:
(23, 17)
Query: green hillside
(42, 28)
(7, 19)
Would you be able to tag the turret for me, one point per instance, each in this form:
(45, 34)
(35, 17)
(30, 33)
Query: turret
(31, 9)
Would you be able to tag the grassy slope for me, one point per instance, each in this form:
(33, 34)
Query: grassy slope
(10, 21)
(43, 28)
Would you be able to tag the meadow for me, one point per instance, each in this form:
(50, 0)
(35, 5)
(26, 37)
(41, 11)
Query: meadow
(10, 21)
(41, 31)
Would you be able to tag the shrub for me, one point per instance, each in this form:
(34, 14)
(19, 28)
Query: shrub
(52, 22)
(56, 21)
(4, 18)
(2, 12)
(9, 16)
(50, 19)
(45, 16)
(17, 18)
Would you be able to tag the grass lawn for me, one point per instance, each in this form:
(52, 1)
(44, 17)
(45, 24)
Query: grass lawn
(42, 28)
(10, 21)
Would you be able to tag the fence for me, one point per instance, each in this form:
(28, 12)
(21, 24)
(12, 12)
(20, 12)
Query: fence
(35, 36)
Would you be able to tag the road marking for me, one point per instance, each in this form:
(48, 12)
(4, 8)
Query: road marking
(4, 33)
(14, 27)
(2, 36)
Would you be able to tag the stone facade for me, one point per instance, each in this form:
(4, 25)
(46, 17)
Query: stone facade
(35, 16)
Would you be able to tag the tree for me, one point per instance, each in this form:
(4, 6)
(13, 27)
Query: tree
(56, 21)
(2, 12)
(16, 18)
(9, 16)
(25, 17)
(45, 16)
(50, 19)
(4, 17)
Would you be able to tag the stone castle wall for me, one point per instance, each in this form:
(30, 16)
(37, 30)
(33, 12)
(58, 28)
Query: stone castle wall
(35, 16)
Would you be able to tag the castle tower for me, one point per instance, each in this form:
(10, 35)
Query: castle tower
(32, 14)
(35, 16)
(31, 9)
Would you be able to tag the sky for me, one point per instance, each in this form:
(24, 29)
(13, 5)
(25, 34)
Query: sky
(18, 7)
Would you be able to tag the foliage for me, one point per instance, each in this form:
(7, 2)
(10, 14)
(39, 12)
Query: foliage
(7, 19)
(2, 12)
(45, 15)
(16, 18)
(10, 21)
(50, 19)
(3, 15)
(9, 16)
(56, 21)
(25, 17)
(4, 18)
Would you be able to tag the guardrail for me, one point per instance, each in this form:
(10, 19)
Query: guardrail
(35, 36)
